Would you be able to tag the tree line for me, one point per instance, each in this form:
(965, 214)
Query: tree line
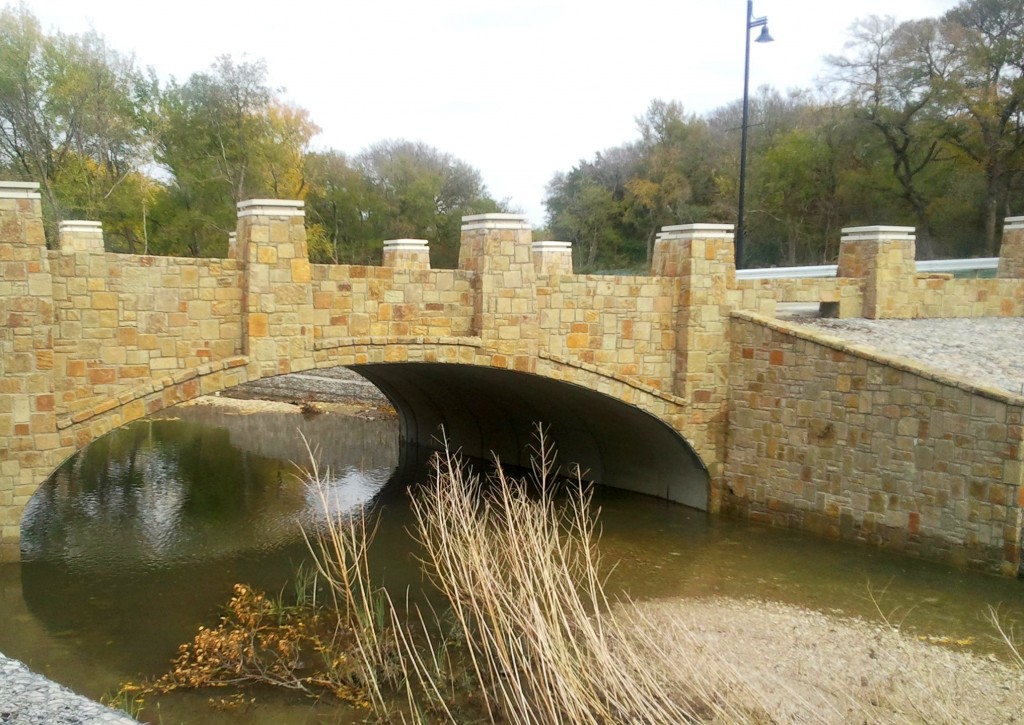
(163, 165)
(919, 123)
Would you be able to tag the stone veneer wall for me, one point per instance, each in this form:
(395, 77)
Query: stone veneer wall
(624, 325)
(841, 441)
(123, 320)
(28, 433)
(355, 301)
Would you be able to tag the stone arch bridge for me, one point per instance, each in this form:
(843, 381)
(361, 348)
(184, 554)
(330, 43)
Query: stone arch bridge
(632, 374)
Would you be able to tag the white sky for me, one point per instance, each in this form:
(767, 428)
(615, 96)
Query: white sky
(519, 89)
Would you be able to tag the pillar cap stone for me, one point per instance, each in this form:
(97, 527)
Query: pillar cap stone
(19, 190)
(878, 232)
(403, 245)
(80, 225)
(495, 221)
(271, 207)
(1013, 222)
(696, 231)
(552, 246)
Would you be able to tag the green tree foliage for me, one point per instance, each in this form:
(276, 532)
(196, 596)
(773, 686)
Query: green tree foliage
(983, 83)
(72, 117)
(224, 136)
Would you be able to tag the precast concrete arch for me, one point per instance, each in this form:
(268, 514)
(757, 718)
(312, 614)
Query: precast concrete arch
(487, 412)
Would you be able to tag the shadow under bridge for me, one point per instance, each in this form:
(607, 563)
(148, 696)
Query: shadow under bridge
(488, 412)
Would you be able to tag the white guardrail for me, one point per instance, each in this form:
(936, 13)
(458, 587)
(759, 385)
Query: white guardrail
(829, 270)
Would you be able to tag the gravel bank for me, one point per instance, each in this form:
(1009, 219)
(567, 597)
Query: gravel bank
(30, 699)
(802, 666)
(987, 350)
(333, 385)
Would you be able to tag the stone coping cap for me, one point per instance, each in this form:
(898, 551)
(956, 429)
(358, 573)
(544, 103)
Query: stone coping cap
(551, 245)
(698, 227)
(19, 189)
(879, 229)
(1013, 222)
(473, 218)
(80, 224)
(696, 231)
(416, 244)
(271, 207)
(495, 221)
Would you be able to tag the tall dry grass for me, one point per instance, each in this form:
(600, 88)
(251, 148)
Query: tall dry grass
(533, 640)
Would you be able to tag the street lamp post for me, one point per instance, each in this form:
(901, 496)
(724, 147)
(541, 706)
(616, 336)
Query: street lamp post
(764, 37)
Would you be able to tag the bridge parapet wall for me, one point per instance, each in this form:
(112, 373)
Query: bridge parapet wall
(624, 325)
(355, 301)
(123, 320)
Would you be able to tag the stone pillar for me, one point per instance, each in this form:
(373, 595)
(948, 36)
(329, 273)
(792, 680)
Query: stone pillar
(277, 295)
(81, 236)
(883, 257)
(496, 248)
(552, 257)
(407, 254)
(28, 423)
(232, 245)
(702, 257)
(1011, 251)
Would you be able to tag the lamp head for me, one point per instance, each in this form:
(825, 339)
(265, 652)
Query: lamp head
(764, 37)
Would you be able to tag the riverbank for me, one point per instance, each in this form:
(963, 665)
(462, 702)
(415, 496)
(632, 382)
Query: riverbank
(804, 666)
(27, 698)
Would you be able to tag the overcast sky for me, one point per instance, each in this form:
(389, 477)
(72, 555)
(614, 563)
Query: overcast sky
(518, 89)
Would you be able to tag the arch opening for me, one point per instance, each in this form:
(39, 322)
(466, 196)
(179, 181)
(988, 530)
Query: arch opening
(487, 411)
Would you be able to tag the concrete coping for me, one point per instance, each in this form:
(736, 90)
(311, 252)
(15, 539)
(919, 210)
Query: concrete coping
(552, 246)
(696, 231)
(19, 190)
(878, 233)
(1013, 222)
(80, 225)
(271, 207)
(406, 245)
(495, 221)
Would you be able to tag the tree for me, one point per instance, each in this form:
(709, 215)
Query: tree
(984, 85)
(224, 136)
(424, 193)
(73, 117)
(342, 209)
(890, 82)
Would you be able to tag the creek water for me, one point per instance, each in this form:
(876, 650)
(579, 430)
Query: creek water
(137, 540)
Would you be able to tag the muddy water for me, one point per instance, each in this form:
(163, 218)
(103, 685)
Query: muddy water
(137, 540)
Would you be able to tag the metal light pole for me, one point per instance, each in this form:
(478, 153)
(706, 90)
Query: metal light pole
(764, 37)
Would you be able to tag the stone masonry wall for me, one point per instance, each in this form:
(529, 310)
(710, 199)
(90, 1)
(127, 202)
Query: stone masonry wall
(826, 438)
(355, 302)
(123, 320)
(28, 436)
(624, 325)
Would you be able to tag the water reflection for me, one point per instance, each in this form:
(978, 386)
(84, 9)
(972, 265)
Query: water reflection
(165, 492)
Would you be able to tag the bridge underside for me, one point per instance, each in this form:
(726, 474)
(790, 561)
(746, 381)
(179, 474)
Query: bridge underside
(486, 412)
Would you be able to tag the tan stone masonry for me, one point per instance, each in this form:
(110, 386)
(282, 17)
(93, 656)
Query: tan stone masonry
(794, 430)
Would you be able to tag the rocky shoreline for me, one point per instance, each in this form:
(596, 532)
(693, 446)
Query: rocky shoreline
(27, 698)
